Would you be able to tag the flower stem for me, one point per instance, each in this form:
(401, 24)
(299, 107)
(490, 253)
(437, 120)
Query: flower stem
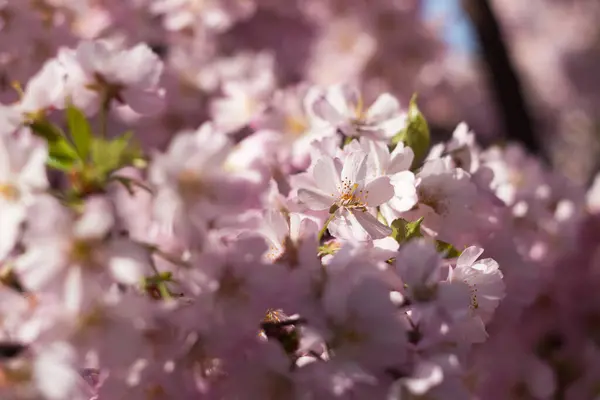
(104, 116)
(325, 225)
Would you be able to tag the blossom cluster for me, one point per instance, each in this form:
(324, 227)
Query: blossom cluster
(294, 240)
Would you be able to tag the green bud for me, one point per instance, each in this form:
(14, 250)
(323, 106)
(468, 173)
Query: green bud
(416, 133)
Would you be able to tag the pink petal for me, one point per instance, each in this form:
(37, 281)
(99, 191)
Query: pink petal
(374, 228)
(327, 176)
(469, 256)
(384, 108)
(401, 159)
(315, 199)
(324, 110)
(379, 191)
(355, 168)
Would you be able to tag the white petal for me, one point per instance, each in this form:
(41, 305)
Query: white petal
(73, 286)
(374, 228)
(355, 168)
(11, 217)
(379, 155)
(468, 256)
(55, 374)
(33, 174)
(324, 110)
(379, 191)
(129, 262)
(426, 376)
(96, 220)
(384, 108)
(143, 67)
(315, 199)
(327, 176)
(401, 159)
(344, 98)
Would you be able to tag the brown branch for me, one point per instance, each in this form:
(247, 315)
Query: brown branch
(502, 76)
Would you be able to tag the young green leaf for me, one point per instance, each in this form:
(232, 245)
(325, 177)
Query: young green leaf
(403, 230)
(446, 249)
(111, 155)
(47, 130)
(80, 130)
(416, 134)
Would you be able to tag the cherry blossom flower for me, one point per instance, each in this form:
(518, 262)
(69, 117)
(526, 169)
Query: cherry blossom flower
(22, 176)
(394, 165)
(342, 106)
(99, 72)
(486, 287)
(344, 190)
(71, 256)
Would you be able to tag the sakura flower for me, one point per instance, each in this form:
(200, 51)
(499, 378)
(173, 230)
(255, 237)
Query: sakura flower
(484, 279)
(447, 198)
(394, 165)
(99, 72)
(485, 284)
(44, 92)
(345, 191)
(212, 14)
(22, 176)
(289, 113)
(342, 106)
(419, 267)
(242, 102)
(283, 235)
(72, 257)
(461, 148)
(191, 181)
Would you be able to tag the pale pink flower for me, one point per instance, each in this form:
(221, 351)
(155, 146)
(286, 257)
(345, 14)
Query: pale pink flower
(342, 106)
(396, 166)
(281, 231)
(243, 101)
(98, 71)
(484, 278)
(44, 92)
(22, 176)
(215, 15)
(345, 191)
(191, 182)
(73, 257)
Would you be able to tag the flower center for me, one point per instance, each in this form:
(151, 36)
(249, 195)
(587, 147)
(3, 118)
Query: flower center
(295, 125)
(473, 290)
(9, 192)
(351, 196)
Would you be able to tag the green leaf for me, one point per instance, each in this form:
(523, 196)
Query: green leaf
(46, 130)
(80, 130)
(416, 134)
(403, 230)
(446, 249)
(110, 155)
(61, 155)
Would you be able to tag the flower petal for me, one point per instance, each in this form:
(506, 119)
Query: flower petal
(379, 191)
(384, 108)
(315, 199)
(327, 176)
(374, 228)
(401, 159)
(355, 168)
(468, 256)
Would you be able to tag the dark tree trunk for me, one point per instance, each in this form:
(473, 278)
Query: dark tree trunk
(512, 105)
